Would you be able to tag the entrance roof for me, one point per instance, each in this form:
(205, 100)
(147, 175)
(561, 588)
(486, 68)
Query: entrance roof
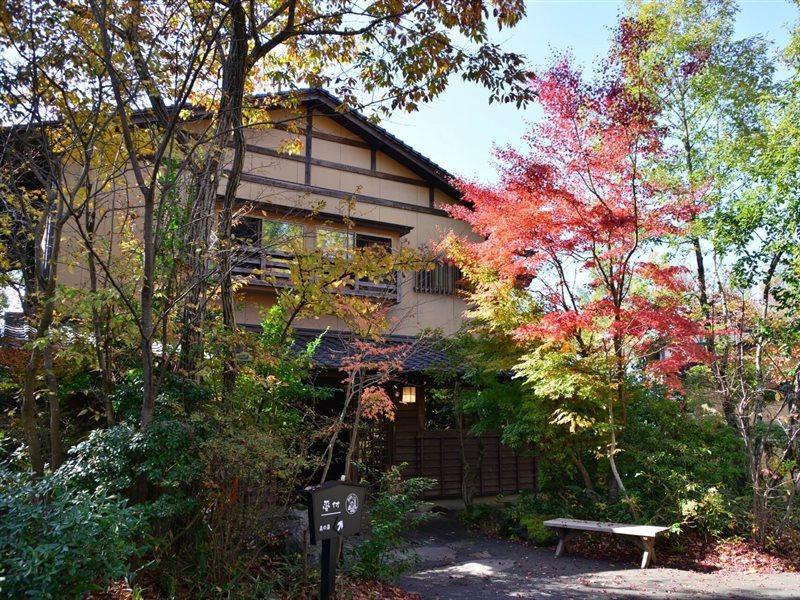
(419, 354)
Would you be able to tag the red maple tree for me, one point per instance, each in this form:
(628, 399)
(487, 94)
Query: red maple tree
(579, 216)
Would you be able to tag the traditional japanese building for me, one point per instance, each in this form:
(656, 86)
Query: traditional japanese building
(353, 184)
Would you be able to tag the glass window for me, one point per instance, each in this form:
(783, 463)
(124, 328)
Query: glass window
(367, 241)
(246, 231)
(332, 241)
(283, 236)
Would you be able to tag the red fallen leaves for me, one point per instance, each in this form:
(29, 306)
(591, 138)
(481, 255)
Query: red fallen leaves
(737, 556)
(693, 553)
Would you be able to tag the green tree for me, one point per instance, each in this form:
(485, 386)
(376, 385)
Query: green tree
(757, 257)
(705, 83)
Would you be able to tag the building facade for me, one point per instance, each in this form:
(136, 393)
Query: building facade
(318, 176)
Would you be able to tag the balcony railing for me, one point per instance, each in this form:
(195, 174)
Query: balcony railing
(272, 268)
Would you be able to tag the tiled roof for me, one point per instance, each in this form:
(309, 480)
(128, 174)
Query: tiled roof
(419, 354)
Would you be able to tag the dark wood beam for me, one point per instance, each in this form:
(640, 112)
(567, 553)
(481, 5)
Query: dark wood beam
(309, 138)
(312, 189)
(329, 164)
(321, 135)
(305, 213)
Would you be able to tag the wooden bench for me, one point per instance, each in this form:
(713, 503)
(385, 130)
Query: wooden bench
(641, 536)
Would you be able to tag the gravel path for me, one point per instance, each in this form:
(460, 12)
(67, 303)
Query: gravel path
(457, 564)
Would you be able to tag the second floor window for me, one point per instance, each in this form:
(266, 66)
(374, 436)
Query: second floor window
(282, 237)
(443, 279)
(266, 246)
(334, 241)
(247, 231)
(338, 240)
(277, 236)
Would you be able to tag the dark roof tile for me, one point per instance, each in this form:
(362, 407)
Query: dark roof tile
(419, 354)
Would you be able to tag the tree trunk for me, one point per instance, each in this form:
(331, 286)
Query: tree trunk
(233, 91)
(146, 323)
(760, 487)
(353, 444)
(354, 386)
(29, 424)
(585, 477)
(612, 446)
(228, 132)
(197, 245)
(56, 445)
(467, 476)
(42, 297)
(101, 346)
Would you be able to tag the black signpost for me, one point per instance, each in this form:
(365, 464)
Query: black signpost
(334, 512)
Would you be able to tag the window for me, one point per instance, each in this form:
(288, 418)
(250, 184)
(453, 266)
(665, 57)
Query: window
(443, 279)
(340, 240)
(265, 246)
(283, 236)
(367, 241)
(247, 231)
(333, 241)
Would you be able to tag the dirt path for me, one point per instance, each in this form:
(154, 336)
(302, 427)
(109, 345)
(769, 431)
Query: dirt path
(456, 564)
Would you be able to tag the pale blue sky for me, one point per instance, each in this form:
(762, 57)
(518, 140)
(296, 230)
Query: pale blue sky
(458, 129)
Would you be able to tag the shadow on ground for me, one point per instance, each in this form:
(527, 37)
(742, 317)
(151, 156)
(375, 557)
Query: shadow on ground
(454, 563)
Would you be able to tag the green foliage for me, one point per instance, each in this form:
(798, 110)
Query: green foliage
(535, 530)
(683, 469)
(391, 514)
(58, 540)
(117, 458)
(517, 519)
(475, 515)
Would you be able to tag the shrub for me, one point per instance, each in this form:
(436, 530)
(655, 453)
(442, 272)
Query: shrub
(114, 459)
(58, 541)
(682, 469)
(391, 513)
(535, 531)
(476, 516)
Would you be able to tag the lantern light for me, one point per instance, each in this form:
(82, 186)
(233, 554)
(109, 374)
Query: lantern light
(409, 394)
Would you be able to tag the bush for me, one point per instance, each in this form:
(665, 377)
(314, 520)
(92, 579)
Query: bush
(58, 541)
(114, 459)
(519, 519)
(378, 556)
(682, 469)
(476, 516)
(535, 531)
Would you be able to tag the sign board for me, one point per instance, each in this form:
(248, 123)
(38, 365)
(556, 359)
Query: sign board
(335, 509)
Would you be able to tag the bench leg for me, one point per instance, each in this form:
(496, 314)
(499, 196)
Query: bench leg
(646, 545)
(649, 553)
(563, 537)
(560, 547)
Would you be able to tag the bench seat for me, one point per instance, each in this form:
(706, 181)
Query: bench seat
(642, 536)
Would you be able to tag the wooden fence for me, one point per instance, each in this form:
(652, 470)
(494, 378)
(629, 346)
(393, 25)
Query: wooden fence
(491, 467)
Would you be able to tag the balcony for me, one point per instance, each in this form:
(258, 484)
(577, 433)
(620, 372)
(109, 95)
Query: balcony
(271, 268)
